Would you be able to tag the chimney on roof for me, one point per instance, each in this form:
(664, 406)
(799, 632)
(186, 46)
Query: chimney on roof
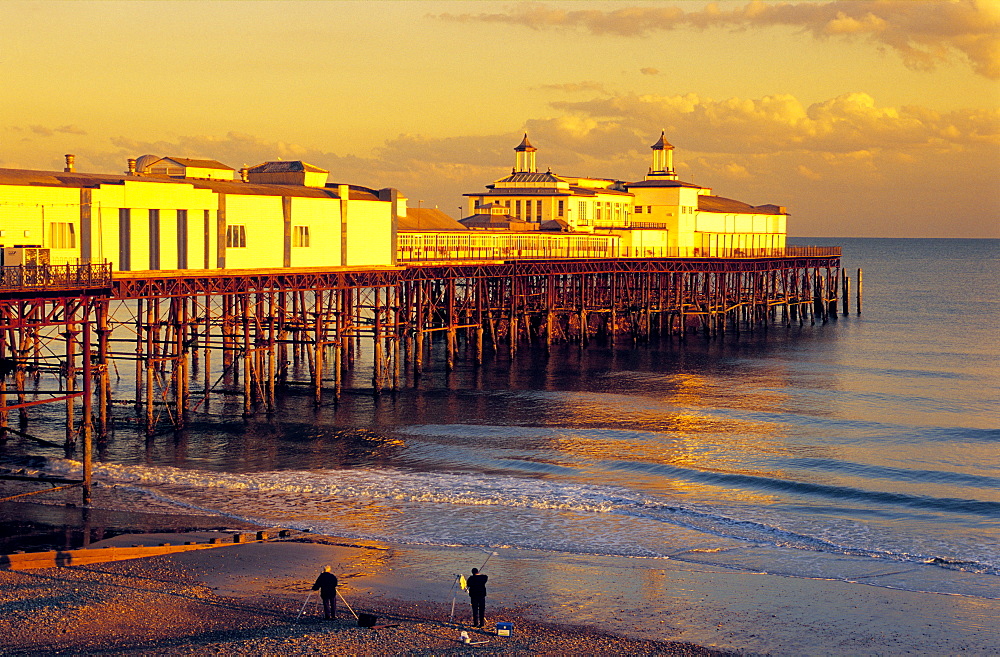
(131, 166)
(69, 163)
(245, 174)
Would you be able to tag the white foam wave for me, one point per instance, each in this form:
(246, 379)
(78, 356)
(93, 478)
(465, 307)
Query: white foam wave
(375, 485)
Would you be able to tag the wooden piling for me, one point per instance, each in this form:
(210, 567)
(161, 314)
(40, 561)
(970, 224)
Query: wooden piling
(86, 424)
(858, 306)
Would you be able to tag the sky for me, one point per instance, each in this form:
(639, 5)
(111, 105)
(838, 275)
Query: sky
(864, 118)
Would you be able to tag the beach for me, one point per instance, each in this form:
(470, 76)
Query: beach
(256, 598)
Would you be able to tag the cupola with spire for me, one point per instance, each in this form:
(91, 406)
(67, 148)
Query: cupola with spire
(663, 159)
(525, 160)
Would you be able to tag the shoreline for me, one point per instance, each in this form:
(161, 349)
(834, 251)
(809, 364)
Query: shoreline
(248, 598)
(560, 603)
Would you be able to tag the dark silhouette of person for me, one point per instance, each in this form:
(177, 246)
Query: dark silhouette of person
(326, 584)
(476, 585)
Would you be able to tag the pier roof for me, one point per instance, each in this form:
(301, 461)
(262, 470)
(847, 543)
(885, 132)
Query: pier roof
(85, 180)
(721, 204)
(428, 219)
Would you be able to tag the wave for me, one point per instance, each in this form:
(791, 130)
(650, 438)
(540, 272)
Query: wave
(985, 508)
(506, 500)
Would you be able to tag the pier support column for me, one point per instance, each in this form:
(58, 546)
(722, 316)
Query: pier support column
(104, 376)
(86, 424)
(318, 350)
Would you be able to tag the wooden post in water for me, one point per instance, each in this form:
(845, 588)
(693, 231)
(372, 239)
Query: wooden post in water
(207, 365)
(104, 382)
(338, 298)
(180, 362)
(450, 331)
(138, 355)
(318, 350)
(149, 363)
(19, 376)
(846, 292)
(859, 292)
(87, 425)
(395, 334)
(376, 341)
(480, 292)
(613, 304)
(248, 354)
(271, 348)
(550, 300)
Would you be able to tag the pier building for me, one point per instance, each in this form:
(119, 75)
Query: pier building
(180, 213)
(654, 216)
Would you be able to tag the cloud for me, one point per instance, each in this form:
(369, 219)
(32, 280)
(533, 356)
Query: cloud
(648, 70)
(924, 34)
(71, 130)
(45, 131)
(844, 166)
(781, 122)
(572, 87)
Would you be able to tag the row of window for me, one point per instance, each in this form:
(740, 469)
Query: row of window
(603, 210)
(685, 209)
(608, 211)
(62, 235)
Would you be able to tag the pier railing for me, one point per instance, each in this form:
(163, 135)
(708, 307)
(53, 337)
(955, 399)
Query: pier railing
(55, 277)
(439, 248)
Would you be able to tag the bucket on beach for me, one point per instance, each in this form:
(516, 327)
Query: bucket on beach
(367, 620)
(505, 629)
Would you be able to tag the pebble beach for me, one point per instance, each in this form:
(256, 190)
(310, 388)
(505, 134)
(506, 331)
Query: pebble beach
(253, 599)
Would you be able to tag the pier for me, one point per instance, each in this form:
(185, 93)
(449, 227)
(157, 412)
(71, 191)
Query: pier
(184, 336)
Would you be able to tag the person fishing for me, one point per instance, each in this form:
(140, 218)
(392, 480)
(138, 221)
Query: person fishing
(476, 585)
(326, 584)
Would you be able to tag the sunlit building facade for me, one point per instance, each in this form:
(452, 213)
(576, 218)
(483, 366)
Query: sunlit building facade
(179, 213)
(653, 216)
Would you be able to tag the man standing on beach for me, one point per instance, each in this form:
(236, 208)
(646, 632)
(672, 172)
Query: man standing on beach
(326, 584)
(477, 594)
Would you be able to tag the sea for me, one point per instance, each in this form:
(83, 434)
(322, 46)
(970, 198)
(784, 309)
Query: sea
(863, 448)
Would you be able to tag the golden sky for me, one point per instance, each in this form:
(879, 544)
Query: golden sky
(864, 118)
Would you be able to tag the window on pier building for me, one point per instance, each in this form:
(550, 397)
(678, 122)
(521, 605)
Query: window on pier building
(182, 239)
(300, 235)
(638, 209)
(154, 239)
(517, 208)
(562, 208)
(538, 209)
(236, 237)
(62, 235)
(582, 216)
(124, 239)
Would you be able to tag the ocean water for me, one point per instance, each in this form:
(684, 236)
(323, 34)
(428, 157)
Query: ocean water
(866, 449)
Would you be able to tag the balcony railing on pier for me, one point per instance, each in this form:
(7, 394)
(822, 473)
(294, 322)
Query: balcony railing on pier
(439, 247)
(55, 277)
